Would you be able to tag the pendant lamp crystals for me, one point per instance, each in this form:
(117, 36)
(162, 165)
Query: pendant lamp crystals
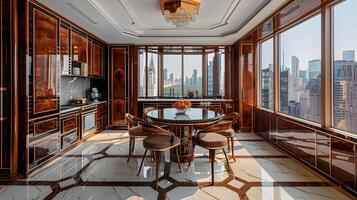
(180, 12)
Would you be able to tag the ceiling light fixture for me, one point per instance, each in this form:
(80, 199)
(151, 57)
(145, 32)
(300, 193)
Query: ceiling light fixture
(180, 12)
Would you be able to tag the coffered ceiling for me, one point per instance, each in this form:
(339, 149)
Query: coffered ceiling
(142, 22)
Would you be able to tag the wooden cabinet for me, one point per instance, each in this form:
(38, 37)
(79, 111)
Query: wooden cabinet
(97, 56)
(70, 129)
(44, 77)
(118, 93)
(79, 47)
(90, 58)
(64, 50)
(101, 117)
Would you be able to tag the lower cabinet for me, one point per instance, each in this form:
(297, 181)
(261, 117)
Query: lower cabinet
(70, 127)
(42, 149)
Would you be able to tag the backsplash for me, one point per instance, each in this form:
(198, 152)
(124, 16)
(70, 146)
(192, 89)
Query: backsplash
(73, 88)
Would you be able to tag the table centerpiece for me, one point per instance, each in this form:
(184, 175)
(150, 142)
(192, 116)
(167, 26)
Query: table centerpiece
(181, 107)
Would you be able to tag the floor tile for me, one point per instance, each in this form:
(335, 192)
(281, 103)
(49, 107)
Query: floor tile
(206, 193)
(17, 192)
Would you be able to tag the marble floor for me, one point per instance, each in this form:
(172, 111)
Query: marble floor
(97, 169)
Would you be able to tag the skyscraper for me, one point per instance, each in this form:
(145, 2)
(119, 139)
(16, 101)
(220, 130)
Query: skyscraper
(267, 88)
(151, 78)
(284, 89)
(194, 77)
(310, 100)
(295, 66)
(166, 78)
(210, 78)
(314, 68)
(348, 55)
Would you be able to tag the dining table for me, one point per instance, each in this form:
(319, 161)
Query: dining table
(183, 124)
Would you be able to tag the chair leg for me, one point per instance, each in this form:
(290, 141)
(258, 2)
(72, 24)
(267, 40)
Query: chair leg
(133, 145)
(142, 162)
(158, 160)
(212, 155)
(178, 159)
(192, 156)
(229, 149)
(232, 144)
(225, 155)
(130, 151)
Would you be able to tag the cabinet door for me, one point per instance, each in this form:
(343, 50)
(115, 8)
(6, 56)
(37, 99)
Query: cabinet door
(118, 93)
(79, 47)
(90, 57)
(45, 63)
(64, 50)
(97, 60)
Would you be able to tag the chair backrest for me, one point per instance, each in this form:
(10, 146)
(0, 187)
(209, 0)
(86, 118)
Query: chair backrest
(153, 129)
(132, 120)
(146, 110)
(233, 117)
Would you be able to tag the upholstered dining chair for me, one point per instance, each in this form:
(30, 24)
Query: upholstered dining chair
(224, 127)
(212, 142)
(136, 130)
(161, 140)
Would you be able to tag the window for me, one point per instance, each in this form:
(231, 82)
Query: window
(221, 71)
(152, 74)
(142, 73)
(193, 75)
(266, 52)
(210, 64)
(172, 68)
(300, 70)
(176, 71)
(345, 66)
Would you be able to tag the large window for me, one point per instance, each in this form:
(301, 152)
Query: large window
(345, 66)
(180, 72)
(300, 70)
(172, 75)
(266, 52)
(193, 75)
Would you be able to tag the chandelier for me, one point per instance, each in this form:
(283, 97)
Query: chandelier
(180, 12)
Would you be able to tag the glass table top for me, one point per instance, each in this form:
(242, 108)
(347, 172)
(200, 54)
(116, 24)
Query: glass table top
(192, 115)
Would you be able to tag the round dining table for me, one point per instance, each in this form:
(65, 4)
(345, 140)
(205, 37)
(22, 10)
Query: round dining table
(183, 125)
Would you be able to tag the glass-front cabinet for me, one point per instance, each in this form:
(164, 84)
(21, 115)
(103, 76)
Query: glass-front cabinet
(44, 62)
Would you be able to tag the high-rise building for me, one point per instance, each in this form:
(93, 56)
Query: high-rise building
(171, 80)
(303, 74)
(151, 78)
(267, 88)
(314, 68)
(194, 77)
(210, 78)
(284, 91)
(348, 55)
(310, 100)
(344, 95)
(295, 66)
(166, 78)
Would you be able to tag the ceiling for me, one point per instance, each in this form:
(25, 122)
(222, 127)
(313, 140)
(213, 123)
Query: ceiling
(141, 21)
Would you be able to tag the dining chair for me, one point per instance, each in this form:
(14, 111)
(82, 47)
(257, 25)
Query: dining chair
(225, 128)
(137, 129)
(157, 143)
(211, 142)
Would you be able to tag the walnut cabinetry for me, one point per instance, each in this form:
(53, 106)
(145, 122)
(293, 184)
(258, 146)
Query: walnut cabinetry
(44, 77)
(70, 128)
(97, 55)
(118, 94)
(65, 49)
(79, 47)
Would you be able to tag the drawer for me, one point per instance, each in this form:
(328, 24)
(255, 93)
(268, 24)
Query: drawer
(43, 150)
(69, 139)
(69, 124)
(44, 126)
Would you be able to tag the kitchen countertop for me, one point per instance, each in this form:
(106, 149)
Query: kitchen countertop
(74, 107)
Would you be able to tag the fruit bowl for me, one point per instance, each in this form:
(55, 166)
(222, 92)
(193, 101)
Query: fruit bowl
(181, 107)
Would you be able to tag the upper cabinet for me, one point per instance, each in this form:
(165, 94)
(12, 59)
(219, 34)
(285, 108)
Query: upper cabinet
(79, 47)
(44, 77)
(64, 50)
(97, 55)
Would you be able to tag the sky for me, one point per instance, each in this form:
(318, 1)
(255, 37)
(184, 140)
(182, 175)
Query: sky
(304, 40)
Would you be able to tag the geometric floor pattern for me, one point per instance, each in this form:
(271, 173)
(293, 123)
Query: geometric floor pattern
(98, 170)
